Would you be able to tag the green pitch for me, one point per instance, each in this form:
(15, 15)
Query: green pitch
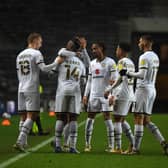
(151, 152)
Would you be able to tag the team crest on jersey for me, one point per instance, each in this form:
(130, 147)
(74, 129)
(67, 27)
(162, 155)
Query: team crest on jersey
(97, 71)
(103, 64)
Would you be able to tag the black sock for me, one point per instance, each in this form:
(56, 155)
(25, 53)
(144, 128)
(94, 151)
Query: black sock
(38, 122)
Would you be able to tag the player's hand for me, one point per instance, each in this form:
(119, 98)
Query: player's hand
(85, 100)
(106, 93)
(111, 82)
(123, 72)
(111, 100)
(78, 53)
(59, 60)
(83, 42)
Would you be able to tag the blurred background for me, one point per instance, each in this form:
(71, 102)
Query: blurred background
(108, 21)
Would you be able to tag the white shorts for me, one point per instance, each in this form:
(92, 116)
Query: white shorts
(121, 107)
(145, 98)
(98, 104)
(65, 103)
(29, 102)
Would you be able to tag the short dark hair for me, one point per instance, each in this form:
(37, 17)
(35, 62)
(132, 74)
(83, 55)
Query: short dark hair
(79, 36)
(102, 45)
(124, 46)
(76, 44)
(32, 37)
(147, 38)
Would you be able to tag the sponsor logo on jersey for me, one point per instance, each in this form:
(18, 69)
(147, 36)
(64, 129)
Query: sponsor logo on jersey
(97, 71)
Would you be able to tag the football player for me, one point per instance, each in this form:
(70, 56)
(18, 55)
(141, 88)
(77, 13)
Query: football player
(145, 93)
(29, 62)
(102, 71)
(124, 96)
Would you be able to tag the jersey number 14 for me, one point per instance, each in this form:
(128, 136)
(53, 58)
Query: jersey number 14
(74, 73)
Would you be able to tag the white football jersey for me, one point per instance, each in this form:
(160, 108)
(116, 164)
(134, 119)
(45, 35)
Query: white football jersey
(101, 73)
(125, 90)
(69, 74)
(27, 69)
(149, 61)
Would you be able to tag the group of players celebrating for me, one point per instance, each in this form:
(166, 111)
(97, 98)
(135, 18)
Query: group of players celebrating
(108, 86)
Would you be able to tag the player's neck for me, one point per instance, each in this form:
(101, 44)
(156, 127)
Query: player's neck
(99, 59)
(32, 46)
(123, 56)
(147, 49)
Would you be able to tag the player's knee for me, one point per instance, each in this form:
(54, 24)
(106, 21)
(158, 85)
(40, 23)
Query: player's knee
(32, 115)
(107, 116)
(23, 116)
(73, 117)
(61, 116)
(91, 115)
(117, 118)
(138, 119)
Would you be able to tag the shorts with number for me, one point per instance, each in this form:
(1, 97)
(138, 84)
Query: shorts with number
(145, 98)
(66, 103)
(121, 107)
(29, 102)
(98, 104)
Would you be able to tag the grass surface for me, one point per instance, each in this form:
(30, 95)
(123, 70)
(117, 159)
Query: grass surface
(151, 151)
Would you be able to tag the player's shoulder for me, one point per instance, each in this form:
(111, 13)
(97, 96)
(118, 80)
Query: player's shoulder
(30, 51)
(128, 60)
(148, 55)
(110, 60)
(78, 60)
(93, 62)
(144, 56)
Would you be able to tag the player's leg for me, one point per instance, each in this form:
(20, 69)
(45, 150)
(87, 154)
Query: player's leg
(121, 108)
(93, 108)
(61, 108)
(110, 130)
(21, 110)
(139, 107)
(22, 138)
(74, 111)
(118, 132)
(138, 131)
(73, 129)
(23, 115)
(66, 133)
(128, 132)
(59, 125)
(40, 128)
(32, 106)
(126, 127)
(89, 130)
(156, 132)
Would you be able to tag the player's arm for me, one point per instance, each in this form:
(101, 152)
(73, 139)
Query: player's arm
(83, 76)
(114, 85)
(17, 69)
(85, 57)
(88, 87)
(140, 74)
(46, 68)
(114, 73)
(66, 53)
(143, 67)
